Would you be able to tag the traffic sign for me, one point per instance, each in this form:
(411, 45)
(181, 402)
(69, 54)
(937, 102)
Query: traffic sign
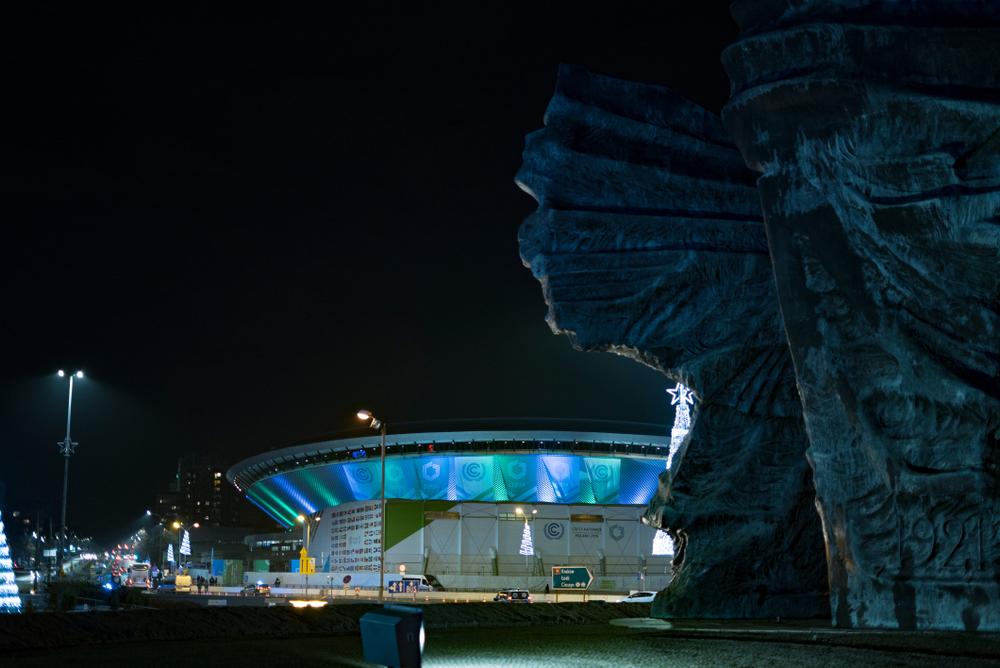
(571, 577)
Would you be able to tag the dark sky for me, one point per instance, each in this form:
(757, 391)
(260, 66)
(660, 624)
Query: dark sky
(243, 228)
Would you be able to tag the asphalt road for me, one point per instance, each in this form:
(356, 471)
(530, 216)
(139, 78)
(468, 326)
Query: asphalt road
(549, 646)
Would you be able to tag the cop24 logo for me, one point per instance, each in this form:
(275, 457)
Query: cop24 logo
(517, 470)
(363, 475)
(602, 472)
(431, 471)
(473, 471)
(553, 530)
(617, 532)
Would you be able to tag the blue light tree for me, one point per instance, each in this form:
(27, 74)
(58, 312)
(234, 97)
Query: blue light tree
(10, 602)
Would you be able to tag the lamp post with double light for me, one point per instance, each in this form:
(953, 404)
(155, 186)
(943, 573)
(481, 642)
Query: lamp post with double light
(305, 565)
(375, 423)
(177, 526)
(66, 447)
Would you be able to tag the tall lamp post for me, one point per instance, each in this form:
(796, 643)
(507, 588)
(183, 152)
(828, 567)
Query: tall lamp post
(375, 423)
(305, 531)
(305, 566)
(177, 564)
(157, 560)
(66, 449)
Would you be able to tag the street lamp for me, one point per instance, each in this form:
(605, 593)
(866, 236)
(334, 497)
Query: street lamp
(305, 566)
(66, 449)
(161, 524)
(375, 423)
(305, 531)
(177, 564)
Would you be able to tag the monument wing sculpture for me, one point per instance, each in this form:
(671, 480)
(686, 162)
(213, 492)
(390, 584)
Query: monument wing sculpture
(876, 127)
(648, 242)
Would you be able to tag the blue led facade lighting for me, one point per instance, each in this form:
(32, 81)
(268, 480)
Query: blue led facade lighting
(579, 468)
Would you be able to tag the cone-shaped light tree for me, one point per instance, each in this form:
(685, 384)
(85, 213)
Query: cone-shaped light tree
(9, 599)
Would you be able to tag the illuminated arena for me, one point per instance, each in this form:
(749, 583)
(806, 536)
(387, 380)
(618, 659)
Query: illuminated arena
(474, 504)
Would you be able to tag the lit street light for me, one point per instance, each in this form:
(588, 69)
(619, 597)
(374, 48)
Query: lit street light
(305, 531)
(177, 564)
(65, 449)
(375, 423)
(161, 523)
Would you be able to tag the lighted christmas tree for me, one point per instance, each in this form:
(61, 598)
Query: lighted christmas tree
(527, 547)
(683, 398)
(170, 552)
(185, 544)
(9, 600)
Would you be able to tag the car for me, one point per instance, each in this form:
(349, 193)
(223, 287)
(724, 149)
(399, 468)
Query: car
(256, 589)
(513, 596)
(138, 576)
(639, 597)
(415, 583)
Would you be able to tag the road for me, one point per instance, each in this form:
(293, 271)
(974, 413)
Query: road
(601, 646)
(280, 596)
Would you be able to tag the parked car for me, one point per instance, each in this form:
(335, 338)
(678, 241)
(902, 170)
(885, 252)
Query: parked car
(256, 589)
(639, 597)
(513, 596)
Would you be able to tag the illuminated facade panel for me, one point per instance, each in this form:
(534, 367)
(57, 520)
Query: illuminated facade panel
(528, 478)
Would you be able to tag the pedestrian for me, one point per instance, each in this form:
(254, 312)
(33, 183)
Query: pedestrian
(277, 582)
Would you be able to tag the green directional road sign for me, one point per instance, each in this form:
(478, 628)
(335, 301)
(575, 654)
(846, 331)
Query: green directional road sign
(571, 577)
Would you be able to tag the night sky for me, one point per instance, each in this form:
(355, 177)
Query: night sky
(244, 228)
